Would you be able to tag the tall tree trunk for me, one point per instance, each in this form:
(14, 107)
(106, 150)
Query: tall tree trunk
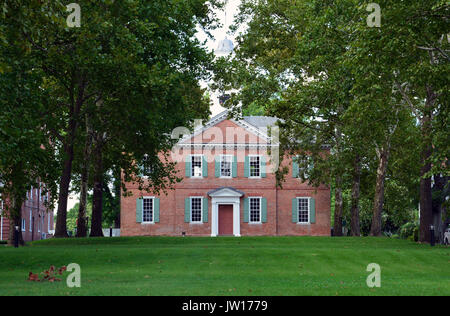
(97, 205)
(383, 159)
(15, 220)
(82, 211)
(117, 194)
(338, 207)
(426, 200)
(64, 184)
(355, 225)
(442, 190)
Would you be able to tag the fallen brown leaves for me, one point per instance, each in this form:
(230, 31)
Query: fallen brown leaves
(49, 275)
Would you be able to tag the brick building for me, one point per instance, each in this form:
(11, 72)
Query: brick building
(229, 188)
(37, 219)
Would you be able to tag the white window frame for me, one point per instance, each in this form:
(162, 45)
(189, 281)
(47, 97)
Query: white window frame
(250, 210)
(309, 210)
(24, 225)
(31, 221)
(250, 169)
(149, 168)
(231, 157)
(152, 198)
(201, 166)
(201, 209)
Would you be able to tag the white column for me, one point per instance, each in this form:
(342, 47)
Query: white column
(215, 219)
(236, 219)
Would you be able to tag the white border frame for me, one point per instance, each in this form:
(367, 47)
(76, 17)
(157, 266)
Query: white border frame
(260, 210)
(231, 198)
(153, 209)
(309, 210)
(260, 167)
(202, 158)
(201, 211)
(231, 167)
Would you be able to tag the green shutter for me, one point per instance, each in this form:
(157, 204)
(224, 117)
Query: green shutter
(139, 210)
(294, 210)
(188, 166)
(263, 167)
(295, 169)
(187, 210)
(205, 209)
(235, 167)
(247, 167)
(156, 209)
(205, 167)
(264, 210)
(246, 210)
(312, 210)
(217, 161)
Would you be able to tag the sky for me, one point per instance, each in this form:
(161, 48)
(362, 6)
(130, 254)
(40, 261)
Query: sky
(226, 18)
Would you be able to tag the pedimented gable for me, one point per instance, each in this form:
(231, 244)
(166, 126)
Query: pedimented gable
(221, 130)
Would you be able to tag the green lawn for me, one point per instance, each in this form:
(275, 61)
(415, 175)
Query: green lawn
(229, 266)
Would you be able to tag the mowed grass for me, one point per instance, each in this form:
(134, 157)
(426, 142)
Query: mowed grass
(256, 266)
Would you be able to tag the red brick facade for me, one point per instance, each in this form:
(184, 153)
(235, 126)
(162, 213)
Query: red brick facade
(277, 210)
(37, 220)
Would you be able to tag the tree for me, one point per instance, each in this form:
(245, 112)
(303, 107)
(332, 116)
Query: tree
(27, 157)
(133, 64)
(409, 52)
(333, 79)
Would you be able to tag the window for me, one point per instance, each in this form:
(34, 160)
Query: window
(196, 166)
(147, 210)
(303, 210)
(24, 224)
(226, 164)
(255, 166)
(196, 210)
(48, 224)
(39, 224)
(255, 210)
(145, 167)
(31, 220)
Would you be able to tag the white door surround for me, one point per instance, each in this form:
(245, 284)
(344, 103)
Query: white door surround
(226, 196)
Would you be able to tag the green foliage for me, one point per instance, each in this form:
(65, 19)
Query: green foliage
(335, 81)
(410, 231)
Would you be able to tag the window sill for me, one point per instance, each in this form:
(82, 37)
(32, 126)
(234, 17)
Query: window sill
(148, 223)
(304, 224)
(191, 223)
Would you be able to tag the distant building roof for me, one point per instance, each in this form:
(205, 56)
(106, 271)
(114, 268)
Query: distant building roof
(261, 121)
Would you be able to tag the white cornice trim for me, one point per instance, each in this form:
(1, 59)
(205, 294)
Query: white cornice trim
(220, 118)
